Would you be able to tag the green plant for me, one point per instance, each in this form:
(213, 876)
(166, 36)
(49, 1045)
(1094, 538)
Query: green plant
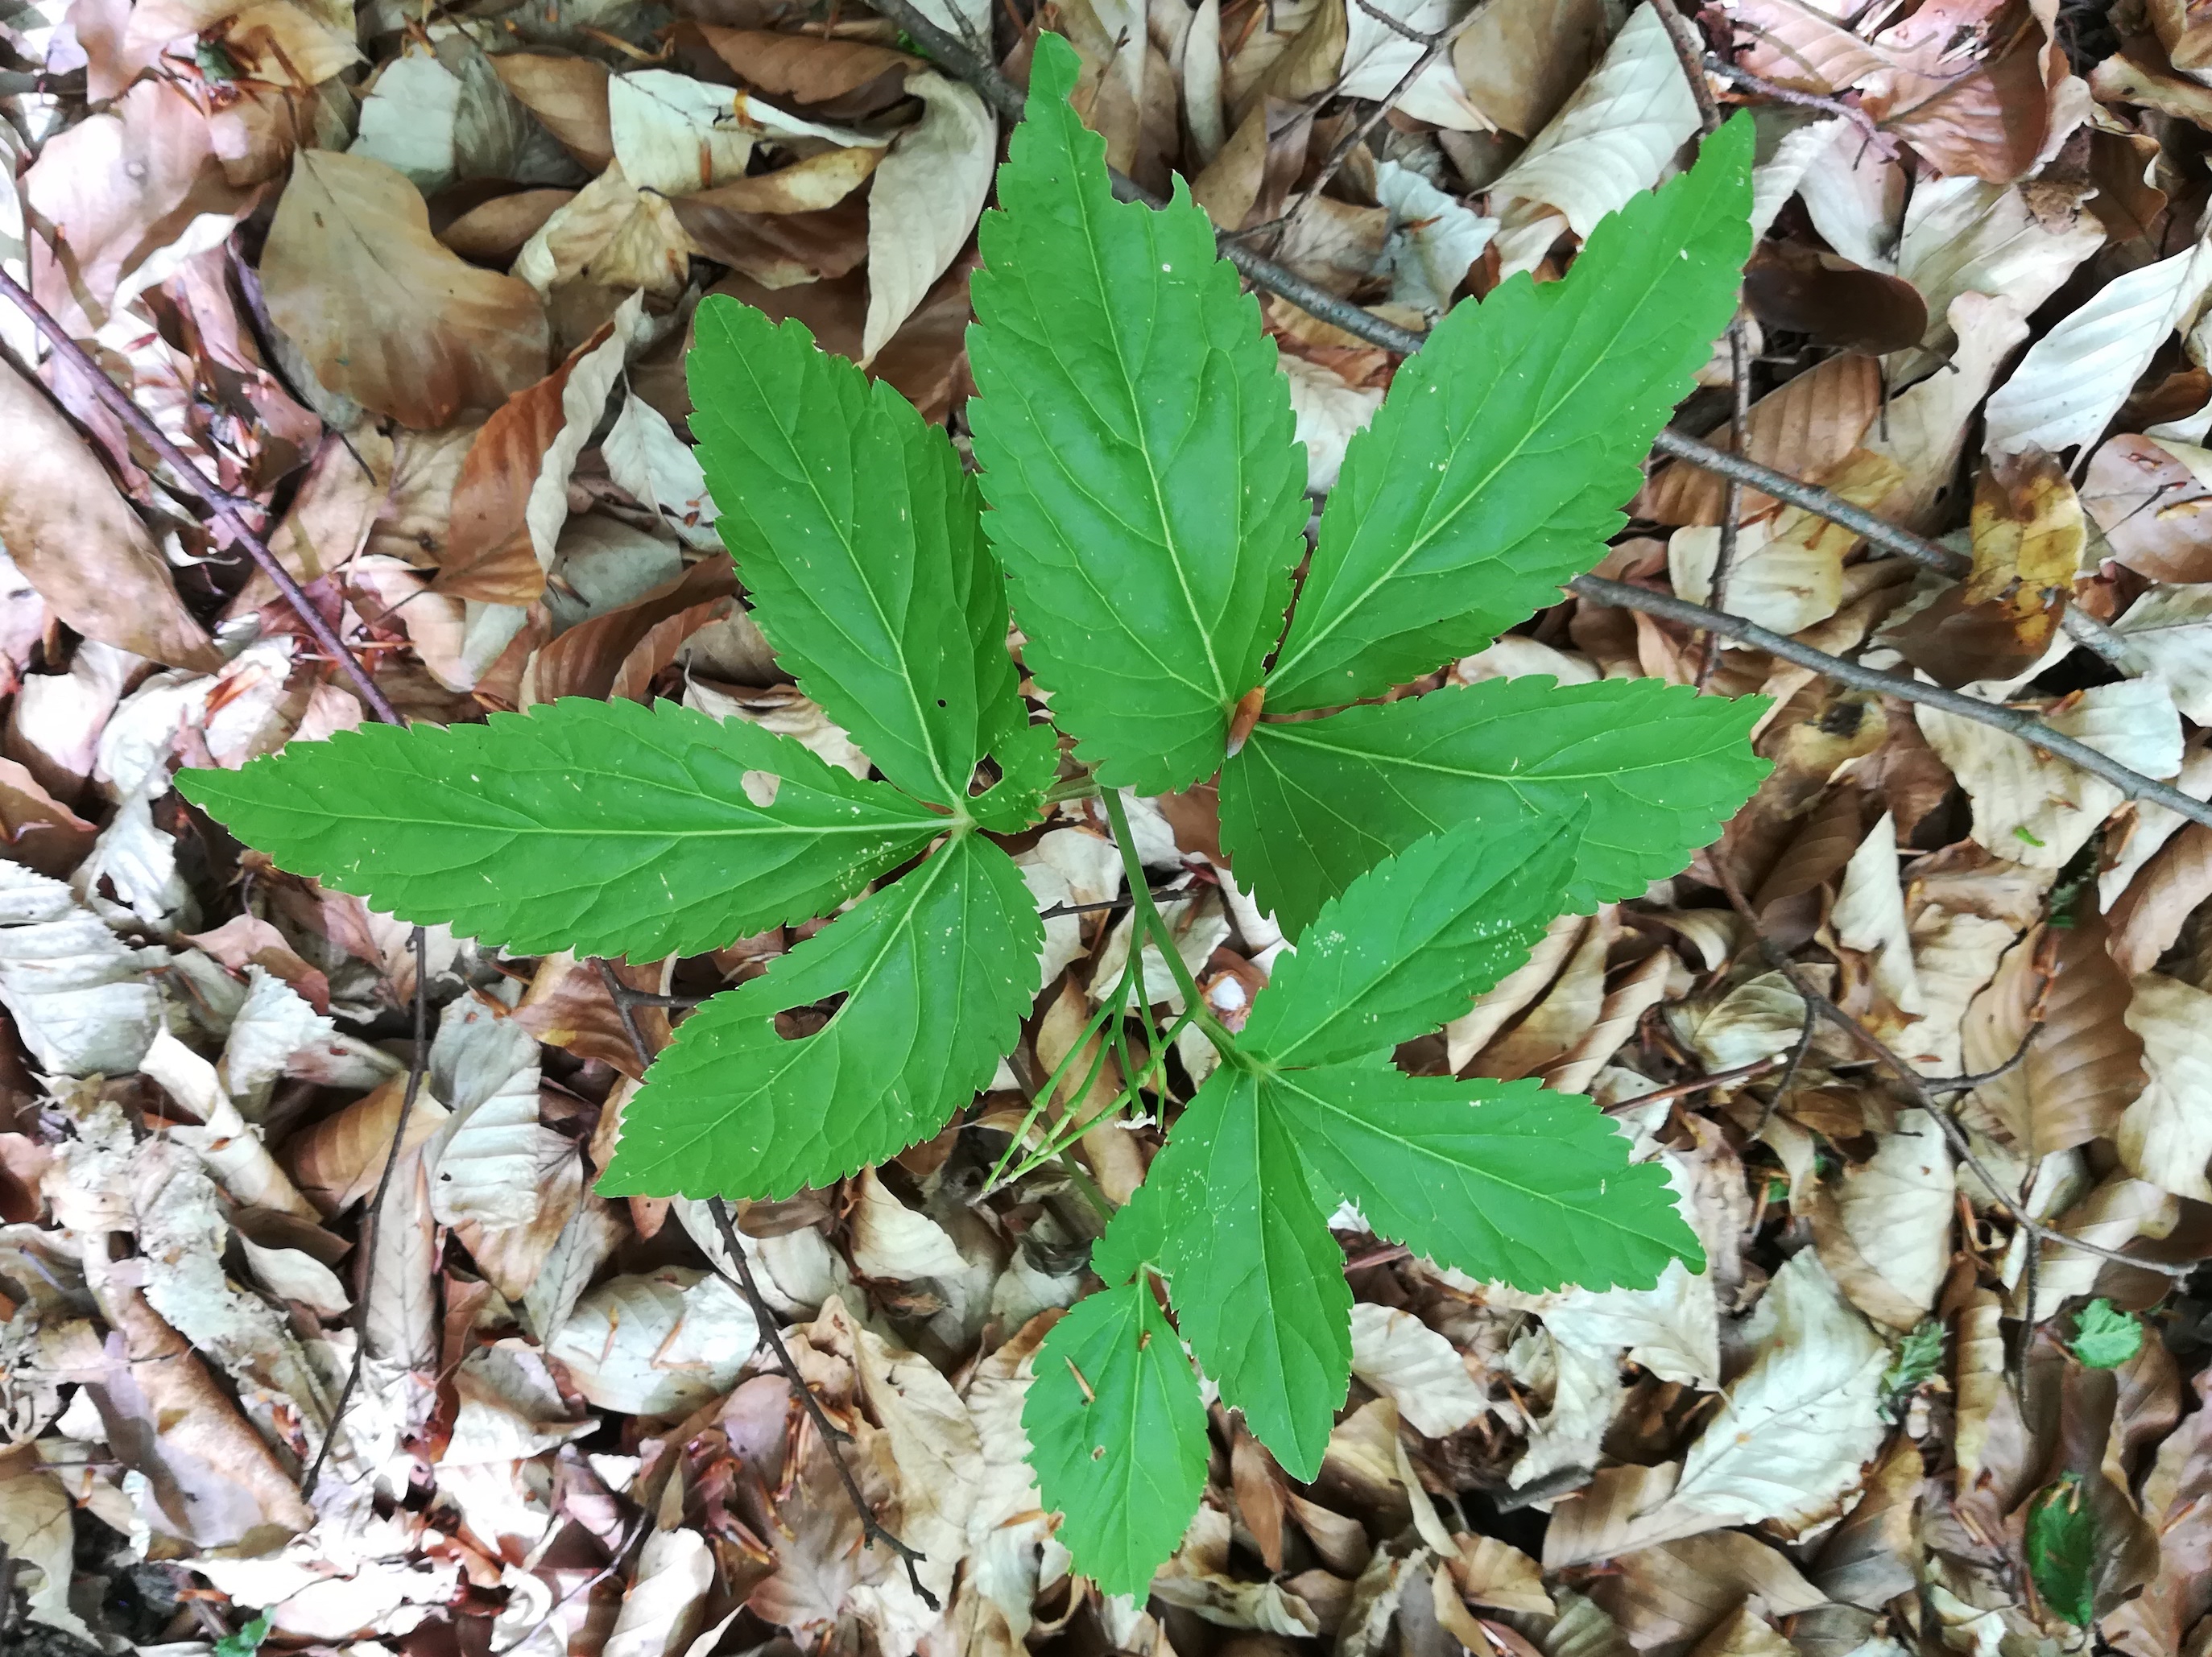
(2104, 1337)
(1146, 503)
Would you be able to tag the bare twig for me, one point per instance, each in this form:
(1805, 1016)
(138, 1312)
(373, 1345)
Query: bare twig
(1968, 1083)
(1690, 53)
(1732, 493)
(2010, 720)
(740, 1277)
(1726, 1078)
(1760, 84)
(226, 509)
(373, 1221)
(872, 1528)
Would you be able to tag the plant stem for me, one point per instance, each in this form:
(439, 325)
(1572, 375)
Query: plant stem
(1148, 920)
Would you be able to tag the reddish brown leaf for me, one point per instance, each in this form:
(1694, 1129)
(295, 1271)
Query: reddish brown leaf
(2084, 1065)
(588, 659)
(569, 95)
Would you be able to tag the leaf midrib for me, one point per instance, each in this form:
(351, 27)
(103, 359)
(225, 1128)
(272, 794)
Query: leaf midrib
(1513, 779)
(1168, 541)
(852, 554)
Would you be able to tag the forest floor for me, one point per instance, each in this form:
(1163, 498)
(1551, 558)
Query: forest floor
(404, 291)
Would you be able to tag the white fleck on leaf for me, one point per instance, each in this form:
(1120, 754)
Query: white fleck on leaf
(925, 200)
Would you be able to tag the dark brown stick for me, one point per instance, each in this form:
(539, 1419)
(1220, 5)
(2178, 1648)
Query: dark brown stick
(872, 1529)
(221, 505)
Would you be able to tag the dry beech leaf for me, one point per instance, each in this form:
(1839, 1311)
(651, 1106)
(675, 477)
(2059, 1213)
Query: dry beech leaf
(1808, 427)
(2039, 810)
(2082, 1068)
(1520, 60)
(569, 95)
(1615, 137)
(807, 68)
(2165, 1136)
(79, 543)
(1682, 1591)
(381, 311)
(1397, 1355)
(2153, 499)
(337, 1163)
(925, 200)
(655, 1343)
(2029, 534)
(1884, 1232)
(2072, 381)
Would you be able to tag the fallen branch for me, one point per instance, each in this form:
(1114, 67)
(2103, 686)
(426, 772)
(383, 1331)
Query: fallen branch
(2010, 720)
(872, 1529)
(222, 506)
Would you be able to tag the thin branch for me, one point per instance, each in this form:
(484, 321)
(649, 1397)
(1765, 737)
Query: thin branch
(222, 506)
(872, 1528)
(2010, 720)
(372, 1224)
(1732, 493)
(1690, 53)
(1726, 1078)
(740, 1277)
(1432, 48)
(1760, 84)
(1968, 1083)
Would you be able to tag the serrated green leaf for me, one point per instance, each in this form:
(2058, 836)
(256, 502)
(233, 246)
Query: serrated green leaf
(1414, 939)
(937, 971)
(1117, 1437)
(858, 536)
(1256, 1278)
(1306, 807)
(1502, 1180)
(1495, 469)
(605, 828)
(2062, 1550)
(2104, 1337)
(1135, 437)
(1028, 760)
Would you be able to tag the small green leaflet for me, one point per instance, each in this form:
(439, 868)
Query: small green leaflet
(1495, 469)
(247, 1640)
(1135, 437)
(1256, 1276)
(2062, 1549)
(2104, 1337)
(856, 533)
(937, 970)
(1307, 806)
(605, 828)
(1919, 1356)
(1504, 1180)
(1117, 1435)
(1413, 940)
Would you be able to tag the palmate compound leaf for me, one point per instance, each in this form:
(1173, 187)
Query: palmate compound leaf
(856, 532)
(1117, 1434)
(605, 828)
(1135, 437)
(1306, 806)
(937, 970)
(1501, 1181)
(1497, 466)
